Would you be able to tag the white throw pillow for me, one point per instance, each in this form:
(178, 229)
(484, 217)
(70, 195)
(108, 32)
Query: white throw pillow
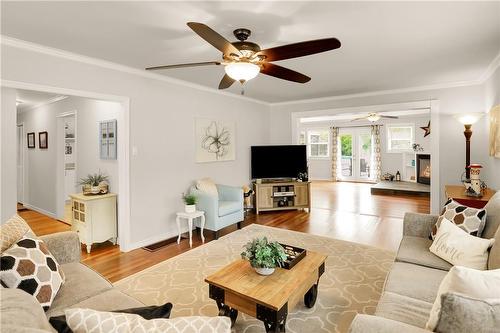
(207, 185)
(91, 321)
(456, 246)
(465, 281)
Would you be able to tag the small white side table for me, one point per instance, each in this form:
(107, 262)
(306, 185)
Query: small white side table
(190, 217)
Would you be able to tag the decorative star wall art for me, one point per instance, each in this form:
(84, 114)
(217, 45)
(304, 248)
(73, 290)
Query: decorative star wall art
(427, 129)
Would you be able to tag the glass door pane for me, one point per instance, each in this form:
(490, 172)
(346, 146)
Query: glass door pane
(346, 148)
(365, 155)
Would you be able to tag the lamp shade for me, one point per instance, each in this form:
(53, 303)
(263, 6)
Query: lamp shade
(242, 71)
(468, 118)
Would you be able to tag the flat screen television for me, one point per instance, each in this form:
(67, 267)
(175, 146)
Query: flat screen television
(278, 161)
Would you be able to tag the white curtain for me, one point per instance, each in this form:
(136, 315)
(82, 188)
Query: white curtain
(377, 159)
(334, 136)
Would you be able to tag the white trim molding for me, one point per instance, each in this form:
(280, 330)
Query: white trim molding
(22, 44)
(47, 102)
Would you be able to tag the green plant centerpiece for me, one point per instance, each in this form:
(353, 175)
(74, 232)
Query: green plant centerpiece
(264, 256)
(96, 183)
(190, 203)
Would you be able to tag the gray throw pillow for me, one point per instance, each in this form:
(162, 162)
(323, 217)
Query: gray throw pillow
(462, 314)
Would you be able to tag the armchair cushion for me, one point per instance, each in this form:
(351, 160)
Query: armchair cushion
(228, 207)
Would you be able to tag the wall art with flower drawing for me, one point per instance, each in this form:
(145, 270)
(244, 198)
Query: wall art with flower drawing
(215, 140)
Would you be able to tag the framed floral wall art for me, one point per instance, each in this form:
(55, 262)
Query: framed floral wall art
(215, 140)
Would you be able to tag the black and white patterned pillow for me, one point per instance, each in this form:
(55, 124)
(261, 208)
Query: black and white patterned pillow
(28, 265)
(471, 220)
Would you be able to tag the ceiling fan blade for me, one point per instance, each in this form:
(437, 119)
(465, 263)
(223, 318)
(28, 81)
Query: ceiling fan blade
(300, 49)
(284, 73)
(214, 38)
(390, 117)
(360, 118)
(193, 64)
(226, 82)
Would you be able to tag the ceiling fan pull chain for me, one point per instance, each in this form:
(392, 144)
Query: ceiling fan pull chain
(242, 87)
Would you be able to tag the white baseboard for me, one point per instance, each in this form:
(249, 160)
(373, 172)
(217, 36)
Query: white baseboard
(40, 210)
(154, 239)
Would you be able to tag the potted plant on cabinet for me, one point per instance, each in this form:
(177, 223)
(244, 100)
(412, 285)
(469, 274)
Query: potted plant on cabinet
(190, 203)
(94, 184)
(264, 256)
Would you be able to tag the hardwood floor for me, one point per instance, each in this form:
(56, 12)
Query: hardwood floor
(339, 210)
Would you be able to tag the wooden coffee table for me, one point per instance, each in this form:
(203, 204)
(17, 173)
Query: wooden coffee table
(237, 287)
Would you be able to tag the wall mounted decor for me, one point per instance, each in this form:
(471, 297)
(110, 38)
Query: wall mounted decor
(495, 132)
(31, 140)
(43, 140)
(215, 140)
(107, 139)
(427, 129)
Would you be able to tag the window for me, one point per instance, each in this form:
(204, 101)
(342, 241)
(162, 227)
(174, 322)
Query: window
(318, 142)
(399, 138)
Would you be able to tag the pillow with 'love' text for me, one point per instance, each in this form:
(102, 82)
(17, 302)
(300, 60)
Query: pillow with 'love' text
(456, 246)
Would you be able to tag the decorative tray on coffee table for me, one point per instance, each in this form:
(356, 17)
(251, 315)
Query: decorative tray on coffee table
(293, 254)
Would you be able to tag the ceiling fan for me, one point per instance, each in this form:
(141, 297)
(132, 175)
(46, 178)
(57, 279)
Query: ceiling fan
(244, 60)
(373, 117)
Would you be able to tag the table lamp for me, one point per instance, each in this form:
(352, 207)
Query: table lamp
(467, 119)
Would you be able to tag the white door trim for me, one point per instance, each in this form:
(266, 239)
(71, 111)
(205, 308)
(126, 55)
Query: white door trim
(23, 158)
(123, 149)
(60, 167)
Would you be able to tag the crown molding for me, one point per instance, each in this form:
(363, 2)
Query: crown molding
(493, 66)
(22, 44)
(30, 46)
(44, 103)
(381, 92)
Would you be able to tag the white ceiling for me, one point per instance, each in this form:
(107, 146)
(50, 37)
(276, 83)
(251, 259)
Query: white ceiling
(30, 98)
(385, 45)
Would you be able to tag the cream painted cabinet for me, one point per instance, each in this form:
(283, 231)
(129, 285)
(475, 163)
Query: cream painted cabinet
(94, 218)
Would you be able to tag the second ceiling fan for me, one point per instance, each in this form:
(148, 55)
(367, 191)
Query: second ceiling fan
(244, 60)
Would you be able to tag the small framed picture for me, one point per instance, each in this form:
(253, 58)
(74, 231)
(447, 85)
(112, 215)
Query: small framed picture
(31, 140)
(43, 140)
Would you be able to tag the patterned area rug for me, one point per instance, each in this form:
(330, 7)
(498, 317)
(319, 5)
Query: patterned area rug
(352, 282)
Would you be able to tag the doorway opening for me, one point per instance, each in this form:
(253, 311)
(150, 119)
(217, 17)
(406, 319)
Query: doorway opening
(59, 143)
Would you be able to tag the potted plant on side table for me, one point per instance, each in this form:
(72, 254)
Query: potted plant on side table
(264, 256)
(95, 184)
(189, 203)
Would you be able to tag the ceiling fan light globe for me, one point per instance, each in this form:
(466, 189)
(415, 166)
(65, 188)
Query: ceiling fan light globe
(373, 117)
(242, 71)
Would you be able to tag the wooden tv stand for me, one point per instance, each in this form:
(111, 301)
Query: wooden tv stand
(270, 196)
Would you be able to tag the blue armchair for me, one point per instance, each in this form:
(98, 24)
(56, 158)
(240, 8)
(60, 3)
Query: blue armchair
(220, 211)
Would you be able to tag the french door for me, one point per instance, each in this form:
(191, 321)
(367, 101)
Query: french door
(355, 147)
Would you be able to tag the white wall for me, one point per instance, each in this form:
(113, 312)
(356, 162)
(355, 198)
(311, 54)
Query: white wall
(41, 169)
(162, 118)
(8, 171)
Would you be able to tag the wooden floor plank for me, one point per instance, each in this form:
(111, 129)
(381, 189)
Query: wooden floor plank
(345, 211)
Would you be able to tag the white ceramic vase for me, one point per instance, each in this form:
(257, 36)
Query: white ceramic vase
(264, 270)
(190, 208)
